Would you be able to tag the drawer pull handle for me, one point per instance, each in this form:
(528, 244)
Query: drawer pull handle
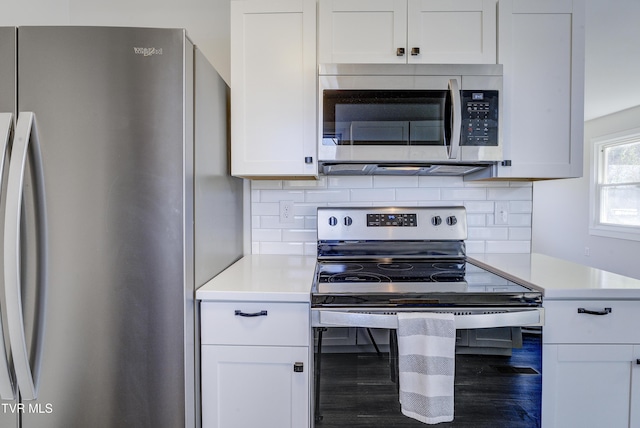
(254, 314)
(638, 361)
(586, 311)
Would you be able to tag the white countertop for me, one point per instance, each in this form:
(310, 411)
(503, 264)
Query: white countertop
(275, 278)
(559, 279)
(284, 278)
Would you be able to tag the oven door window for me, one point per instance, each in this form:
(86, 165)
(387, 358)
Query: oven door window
(388, 117)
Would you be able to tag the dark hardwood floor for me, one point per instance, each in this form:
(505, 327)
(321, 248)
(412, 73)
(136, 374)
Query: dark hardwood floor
(490, 391)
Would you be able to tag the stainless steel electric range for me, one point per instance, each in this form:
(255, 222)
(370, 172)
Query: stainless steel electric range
(374, 262)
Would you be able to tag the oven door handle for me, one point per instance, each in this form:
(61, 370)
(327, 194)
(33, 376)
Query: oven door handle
(523, 318)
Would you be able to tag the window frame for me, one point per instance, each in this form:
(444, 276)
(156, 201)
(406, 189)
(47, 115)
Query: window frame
(596, 227)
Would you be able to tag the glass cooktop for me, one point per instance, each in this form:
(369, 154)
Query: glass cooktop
(414, 283)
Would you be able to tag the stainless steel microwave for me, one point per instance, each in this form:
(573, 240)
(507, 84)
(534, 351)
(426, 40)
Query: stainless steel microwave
(409, 118)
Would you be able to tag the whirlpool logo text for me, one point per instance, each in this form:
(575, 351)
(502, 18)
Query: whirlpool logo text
(147, 51)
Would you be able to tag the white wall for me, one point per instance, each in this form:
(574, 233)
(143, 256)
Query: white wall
(270, 236)
(561, 207)
(206, 21)
(612, 63)
(561, 211)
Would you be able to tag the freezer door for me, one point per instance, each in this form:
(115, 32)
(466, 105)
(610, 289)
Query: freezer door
(9, 416)
(110, 110)
(8, 69)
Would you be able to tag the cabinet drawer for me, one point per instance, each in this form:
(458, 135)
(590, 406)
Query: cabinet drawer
(278, 324)
(564, 323)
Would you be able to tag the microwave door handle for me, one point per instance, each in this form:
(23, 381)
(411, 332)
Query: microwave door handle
(7, 391)
(456, 118)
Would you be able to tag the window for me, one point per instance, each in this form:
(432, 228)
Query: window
(616, 186)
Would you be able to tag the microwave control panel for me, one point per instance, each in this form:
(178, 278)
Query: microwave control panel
(479, 118)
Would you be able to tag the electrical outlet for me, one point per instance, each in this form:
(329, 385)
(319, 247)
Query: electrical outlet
(501, 213)
(286, 211)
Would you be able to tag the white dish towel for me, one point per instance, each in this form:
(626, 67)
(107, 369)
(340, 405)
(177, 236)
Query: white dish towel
(426, 365)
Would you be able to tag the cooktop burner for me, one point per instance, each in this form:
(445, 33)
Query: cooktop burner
(391, 271)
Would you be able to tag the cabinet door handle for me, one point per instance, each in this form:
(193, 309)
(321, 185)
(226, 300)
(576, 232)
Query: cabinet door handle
(638, 361)
(254, 314)
(415, 51)
(400, 52)
(586, 311)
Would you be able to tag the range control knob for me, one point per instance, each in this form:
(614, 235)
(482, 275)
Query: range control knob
(452, 220)
(436, 220)
(333, 221)
(348, 221)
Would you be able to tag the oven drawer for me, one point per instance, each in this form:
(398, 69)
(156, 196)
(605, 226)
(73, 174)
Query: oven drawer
(255, 323)
(591, 321)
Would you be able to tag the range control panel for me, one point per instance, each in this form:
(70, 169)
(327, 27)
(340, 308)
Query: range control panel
(394, 220)
(479, 118)
(392, 223)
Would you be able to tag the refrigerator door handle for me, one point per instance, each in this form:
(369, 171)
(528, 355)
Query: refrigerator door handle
(7, 391)
(25, 138)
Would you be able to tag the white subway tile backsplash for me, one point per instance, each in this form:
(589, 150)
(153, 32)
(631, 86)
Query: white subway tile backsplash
(520, 233)
(474, 246)
(487, 233)
(298, 235)
(464, 194)
(274, 235)
(510, 193)
(270, 236)
(394, 182)
(519, 219)
(265, 208)
(282, 195)
(476, 220)
(329, 195)
(525, 207)
(310, 249)
(305, 209)
(372, 195)
(420, 194)
(305, 184)
(440, 182)
(266, 184)
(351, 182)
(479, 207)
(273, 222)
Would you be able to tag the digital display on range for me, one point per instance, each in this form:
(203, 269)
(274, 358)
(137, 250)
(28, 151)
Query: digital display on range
(395, 220)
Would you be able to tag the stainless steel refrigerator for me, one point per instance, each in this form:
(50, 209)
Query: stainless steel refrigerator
(116, 206)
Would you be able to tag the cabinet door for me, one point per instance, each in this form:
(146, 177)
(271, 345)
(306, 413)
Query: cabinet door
(541, 45)
(586, 386)
(273, 81)
(362, 31)
(452, 32)
(251, 386)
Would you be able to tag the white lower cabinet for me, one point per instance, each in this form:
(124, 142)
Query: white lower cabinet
(255, 365)
(591, 364)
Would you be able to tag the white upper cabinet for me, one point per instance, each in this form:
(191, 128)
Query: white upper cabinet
(273, 88)
(407, 31)
(541, 46)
